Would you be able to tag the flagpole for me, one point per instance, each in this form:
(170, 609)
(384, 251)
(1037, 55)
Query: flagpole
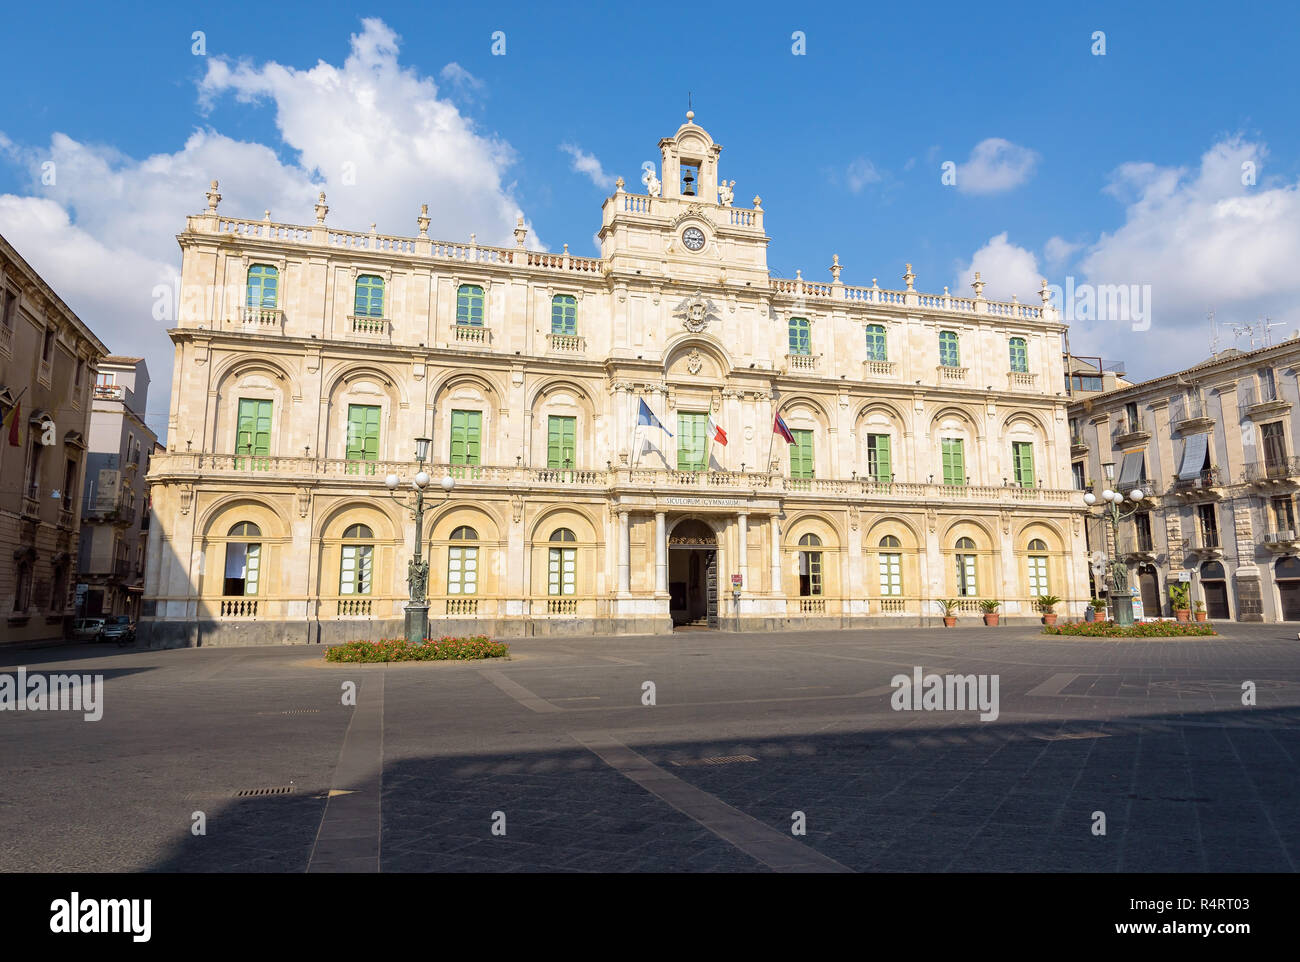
(768, 467)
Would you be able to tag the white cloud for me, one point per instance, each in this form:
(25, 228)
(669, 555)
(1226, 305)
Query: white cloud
(588, 164)
(994, 166)
(1058, 250)
(1202, 240)
(1005, 268)
(103, 235)
(459, 77)
(860, 173)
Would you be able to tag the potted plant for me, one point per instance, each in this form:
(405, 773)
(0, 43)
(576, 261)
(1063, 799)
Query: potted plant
(1096, 610)
(949, 611)
(990, 610)
(1200, 611)
(1178, 596)
(1047, 605)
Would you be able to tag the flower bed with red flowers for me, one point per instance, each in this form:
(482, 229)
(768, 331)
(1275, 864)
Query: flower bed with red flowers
(432, 649)
(1140, 629)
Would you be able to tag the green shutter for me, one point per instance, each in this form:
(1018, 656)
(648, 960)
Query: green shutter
(800, 336)
(1023, 458)
(801, 454)
(263, 284)
(876, 344)
(564, 314)
(949, 355)
(363, 435)
(1019, 356)
(691, 448)
(254, 430)
(466, 436)
(469, 305)
(369, 300)
(561, 433)
(954, 464)
(878, 456)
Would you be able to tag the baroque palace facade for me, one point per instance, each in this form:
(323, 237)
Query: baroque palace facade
(930, 460)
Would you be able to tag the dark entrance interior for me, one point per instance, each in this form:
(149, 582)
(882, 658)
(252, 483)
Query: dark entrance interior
(1214, 585)
(1287, 573)
(1149, 589)
(693, 575)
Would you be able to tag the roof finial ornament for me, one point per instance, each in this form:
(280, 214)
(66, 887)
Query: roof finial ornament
(321, 208)
(835, 268)
(910, 278)
(214, 198)
(690, 110)
(520, 232)
(979, 286)
(423, 220)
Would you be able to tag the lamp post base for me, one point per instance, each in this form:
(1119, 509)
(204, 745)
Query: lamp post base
(1123, 606)
(417, 624)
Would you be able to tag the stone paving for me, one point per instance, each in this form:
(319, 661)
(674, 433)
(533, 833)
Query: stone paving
(556, 747)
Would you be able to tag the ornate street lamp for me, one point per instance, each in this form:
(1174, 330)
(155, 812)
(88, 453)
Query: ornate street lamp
(1120, 599)
(417, 572)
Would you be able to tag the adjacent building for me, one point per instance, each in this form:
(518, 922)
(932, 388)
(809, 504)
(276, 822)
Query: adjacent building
(115, 517)
(923, 452)
(47, 366)
(1215, 446)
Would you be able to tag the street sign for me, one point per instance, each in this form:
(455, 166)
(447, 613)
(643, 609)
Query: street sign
(1183, 576)
(737, 580)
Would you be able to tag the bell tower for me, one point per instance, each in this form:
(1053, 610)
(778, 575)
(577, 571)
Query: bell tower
(690, 163)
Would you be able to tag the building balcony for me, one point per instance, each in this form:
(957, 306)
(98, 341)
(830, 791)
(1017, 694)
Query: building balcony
(1205, 485)
(1131, 431)
(1021, 381)
(566, 343)
(6, 340)
(260, 320)
(872, 369)
(65, 518)
(1078, 446)
(1281, 542)
(108, 392)
(472, 334)
(1189, 417)
(1280, 471)
(802, 363)
(1258, 406)
(1136, 550)
(952, 374)
(1204, 545)
(374, 328)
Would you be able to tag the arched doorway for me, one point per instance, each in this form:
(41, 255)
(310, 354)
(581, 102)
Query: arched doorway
(1149, 590)
(1287, 573)
(693, 575)
(1214, 585)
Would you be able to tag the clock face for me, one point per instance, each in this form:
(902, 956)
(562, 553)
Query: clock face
(693, 238)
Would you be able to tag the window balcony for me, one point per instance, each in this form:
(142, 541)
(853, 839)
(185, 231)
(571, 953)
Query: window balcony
(872, 369)
(472, 334)
(1188, 416)
(1259, 404)
(801, 362)
(65, 518)
(1078, 446)
(366, 326)
(6, 340)
(238, 607)
(1204, 544)
(1021, 381)
(260, 320)
(947, 373)
(566, 343)
(355, 607)
(1286, 541)
(1136, 549)
(1268, 472)
(1131, 431)
(31, 507)
(1204, 485)
(43, 372)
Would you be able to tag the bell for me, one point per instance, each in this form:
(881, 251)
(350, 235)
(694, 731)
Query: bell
(688, 184)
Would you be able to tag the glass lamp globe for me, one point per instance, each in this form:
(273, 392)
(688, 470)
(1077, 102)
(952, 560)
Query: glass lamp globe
(1136, 494)
(422, 479)
(1107, 494)
(1089, 498)
(448, 482)
(392, 481)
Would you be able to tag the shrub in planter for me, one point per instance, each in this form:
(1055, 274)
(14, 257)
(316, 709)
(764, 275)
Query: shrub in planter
(1047, 605)
(949, 611)
(1200, 611)
(1178, 597)
(990, 611)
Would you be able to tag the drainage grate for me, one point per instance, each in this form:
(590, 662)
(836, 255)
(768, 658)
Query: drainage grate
(259, 792)
(293, 711)
(717, 760)
(1070, 736)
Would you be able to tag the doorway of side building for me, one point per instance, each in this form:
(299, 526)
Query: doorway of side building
(693, 575)
(1214, 585)
(1287, 573)
(1149, 590)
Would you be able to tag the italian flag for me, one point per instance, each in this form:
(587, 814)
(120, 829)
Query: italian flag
(715, 432)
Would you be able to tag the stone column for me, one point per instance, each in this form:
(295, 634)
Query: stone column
(624, 553)
(742, 555)
(661, 554)
(778, 590)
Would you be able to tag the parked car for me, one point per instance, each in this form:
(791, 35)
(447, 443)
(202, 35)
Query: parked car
(87, 629)
(118, 628)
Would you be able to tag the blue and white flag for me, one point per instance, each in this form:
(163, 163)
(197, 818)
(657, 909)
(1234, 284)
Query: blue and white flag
(647, 417)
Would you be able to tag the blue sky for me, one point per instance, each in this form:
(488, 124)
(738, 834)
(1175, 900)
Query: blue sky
(1122, 168)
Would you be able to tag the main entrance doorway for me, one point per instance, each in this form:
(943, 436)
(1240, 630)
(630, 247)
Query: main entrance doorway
(693, 575)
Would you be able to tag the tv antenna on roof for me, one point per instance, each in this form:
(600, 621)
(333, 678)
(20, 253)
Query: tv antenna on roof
(1214, 333)
(1268, 337)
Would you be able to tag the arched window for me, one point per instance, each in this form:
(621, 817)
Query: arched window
(469, 305)
(949, 355)
(967, 586)
(562, 567)
(462, 563)
(1019, 356)
(1038, 581)
(800, 336)
(369, 301)
(1212, 571)
(263, 287)
(810, 567)
(243, 560)
(564, 314)
(877, 349)
(356, 561)
(891, 566)
(23, 587)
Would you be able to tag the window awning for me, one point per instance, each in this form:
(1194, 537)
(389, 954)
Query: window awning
(1195, 452)
(1132, 468)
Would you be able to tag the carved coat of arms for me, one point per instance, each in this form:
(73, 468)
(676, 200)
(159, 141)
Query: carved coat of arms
(696, 312)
